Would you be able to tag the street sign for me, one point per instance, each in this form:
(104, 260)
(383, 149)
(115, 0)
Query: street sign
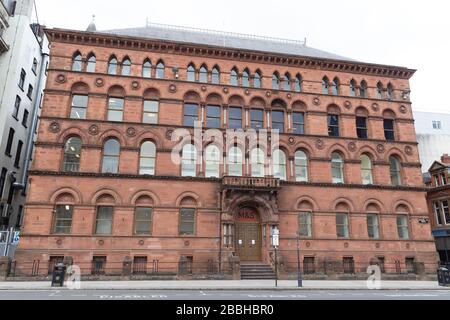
(276, 240)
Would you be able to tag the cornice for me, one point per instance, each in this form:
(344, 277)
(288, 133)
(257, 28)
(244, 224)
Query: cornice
(172, 47)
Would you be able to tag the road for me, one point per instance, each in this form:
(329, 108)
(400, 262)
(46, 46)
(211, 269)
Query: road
(190, 295)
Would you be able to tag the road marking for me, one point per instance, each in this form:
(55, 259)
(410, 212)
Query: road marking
(202, 293)
(53, 294)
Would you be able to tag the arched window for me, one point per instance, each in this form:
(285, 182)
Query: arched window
(379, 90)
(257, 162)
(287, 82)
(366, 170)
(235, 161)
(215, 75)
(111, 154)
(191, 73)
(77, 62)
(396, 178)
(189, 161)
(276, 81)
(363, 89)
(72, 155)
(279, 164)
(325, 85)
(212, 162)
(62, 223)
(389, 125)
(203, 75)
(126, 67)
(301, 166)
(234, 77)
(298, 83)
(91, 63)
(112, 65)
(257, 79)
(147, 69)
(390, 91)
(246, 78)
(160, 70)
(147, 158)
(353, 88)
(336, 88)
(337, 168)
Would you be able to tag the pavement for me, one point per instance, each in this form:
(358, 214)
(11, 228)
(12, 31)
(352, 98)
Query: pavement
(233, 285)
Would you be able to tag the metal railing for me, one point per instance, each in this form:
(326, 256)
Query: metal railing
(251, 182)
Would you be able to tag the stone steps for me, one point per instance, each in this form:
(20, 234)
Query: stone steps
(257, 272)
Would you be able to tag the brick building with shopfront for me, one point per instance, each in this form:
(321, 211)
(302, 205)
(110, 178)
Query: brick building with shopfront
(344, 179)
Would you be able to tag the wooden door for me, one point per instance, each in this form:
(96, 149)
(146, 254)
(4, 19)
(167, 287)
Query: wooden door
(248, 241)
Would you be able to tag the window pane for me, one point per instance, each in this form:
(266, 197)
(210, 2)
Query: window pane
(278, 120)
(305, 224)
(213, 117)
(63, 219)
(187, 221)
(256, 117)
(373, 226)
(143, 218)
(298, 120)
(235, 118)
(104, 220)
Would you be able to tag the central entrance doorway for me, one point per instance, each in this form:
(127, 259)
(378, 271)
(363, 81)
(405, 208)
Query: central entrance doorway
(248, 234)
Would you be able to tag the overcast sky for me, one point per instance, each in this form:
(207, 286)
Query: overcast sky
(413, 34)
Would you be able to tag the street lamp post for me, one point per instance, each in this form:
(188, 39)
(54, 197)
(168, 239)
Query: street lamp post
(299, 271)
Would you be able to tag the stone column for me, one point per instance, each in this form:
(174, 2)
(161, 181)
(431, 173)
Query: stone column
(235, 263)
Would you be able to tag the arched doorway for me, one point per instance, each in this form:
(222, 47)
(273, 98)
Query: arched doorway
(248, 234)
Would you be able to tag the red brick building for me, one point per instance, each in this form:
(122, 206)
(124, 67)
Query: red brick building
(104, 190)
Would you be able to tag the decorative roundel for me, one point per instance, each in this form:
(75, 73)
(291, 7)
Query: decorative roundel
(225, 90)
(135, 85)
(131, 132)
(187, 243)
(375, 107)
(59, 242)
(409, 150)
(268, 93)
(141, 242)
(247, 92)
(320, 144)
(377, 245)
(380, 148)
(291, 140)
(99, 82)
(408, 246)
(308, 244)
(61, 78)
(403, 109)
(352, 147)
(346, 245)
(101, 242)
(289, 96)
(203, 88)
(54, 127)
(172, 88)
(94, 130)
(169, 134)
(348, 104)
(316, 101)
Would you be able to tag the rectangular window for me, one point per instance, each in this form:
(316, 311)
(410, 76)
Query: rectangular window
(228, 235)
(342, 225)
(213, 117)
(115, 109)
(16, 107)
(63, 219)
(278, 121)
(25, 118)
(187, 221)
(3, 181)
(257, 119)
(410, 265)
(10, 142)
(333, 125)
(437, 212)
(139, 265)
(437, 125)
(23, 74)
(361, 127)
(309, 265)
(151, 109)
(30, 92)
(443, 179)
(446, 212)
(235, 118)
(18, 154)
(79, 107)
(298, 122)
(98, 265)
(402, 227)
(104, 220)
(190, 114)
(389, 133)
(143, 221)
(305, 224)
(349, 265)
(373, 227)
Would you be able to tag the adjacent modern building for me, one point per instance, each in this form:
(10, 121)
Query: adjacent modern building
(341, 189)
(433, 136)
(23, 47)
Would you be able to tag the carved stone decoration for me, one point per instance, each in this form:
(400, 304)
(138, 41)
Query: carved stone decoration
(135, 85)
(247, 92)
(375, 107)
(187, 243)
(408, 246)
(348, 104)
(308, 244)
(291, 141)
(320, 144)
(59, 242)
(225, 90)
(289, 96)
(131, 132)
(352, 147)
(94, 130)
(403, 109)
(316, 101)
(203, 88)
(61, 78)
(268, 94)
(141, 242)
(380, 148)
(409, 150)
(346, 245)
(169, 134)
(99, 82)
(54, 127)
(377, 245)
(172, 88)
(101, 242)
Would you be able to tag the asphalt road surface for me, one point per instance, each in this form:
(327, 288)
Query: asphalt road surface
(189, 295)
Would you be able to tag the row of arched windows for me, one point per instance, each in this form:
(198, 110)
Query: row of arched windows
(258, 164)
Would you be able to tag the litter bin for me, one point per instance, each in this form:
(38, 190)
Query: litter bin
(59, 272)
(443, 277)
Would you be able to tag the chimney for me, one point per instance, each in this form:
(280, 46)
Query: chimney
(445, 158)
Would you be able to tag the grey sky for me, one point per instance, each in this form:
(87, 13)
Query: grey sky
(412, 33)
